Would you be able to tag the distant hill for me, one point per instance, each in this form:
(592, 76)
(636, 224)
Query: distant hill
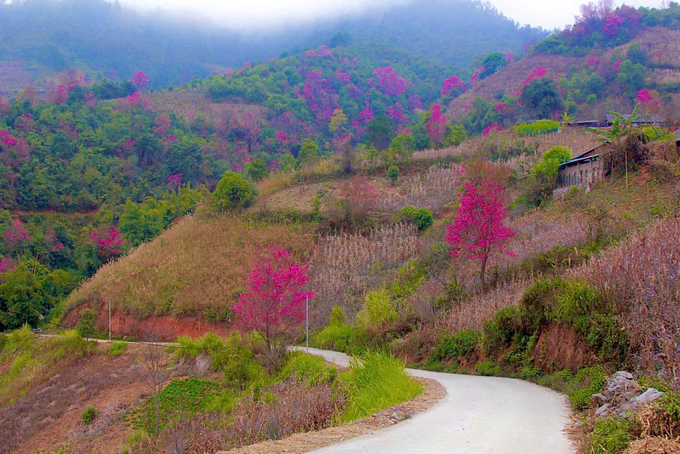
(598, 65)
(40, 38)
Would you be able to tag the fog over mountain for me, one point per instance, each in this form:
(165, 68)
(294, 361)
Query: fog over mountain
(265, 14)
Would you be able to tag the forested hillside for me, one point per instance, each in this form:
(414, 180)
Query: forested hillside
(43, 37)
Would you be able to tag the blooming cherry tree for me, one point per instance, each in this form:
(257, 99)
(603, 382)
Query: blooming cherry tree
(479, 227)
(274, 303)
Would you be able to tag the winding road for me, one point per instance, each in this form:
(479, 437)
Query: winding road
(478, 415)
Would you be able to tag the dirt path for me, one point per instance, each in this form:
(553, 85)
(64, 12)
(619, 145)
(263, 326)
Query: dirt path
(478, 415)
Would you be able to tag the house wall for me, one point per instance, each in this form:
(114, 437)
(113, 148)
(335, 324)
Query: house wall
(582, 173)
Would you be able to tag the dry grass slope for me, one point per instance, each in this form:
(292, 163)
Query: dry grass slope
(196, 266)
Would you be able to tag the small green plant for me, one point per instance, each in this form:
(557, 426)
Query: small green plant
(422, 218)
(393, 174)
(487, 368)
(455, 346)
(311, 369)
(3, 341)
(610, 435)
(89, 415)
(337, 335)
(87, 325)
(117, 348)
(537, 128)
(587, 382)
(179, 400)
(377, 310)
(233, 193)
(374, 383)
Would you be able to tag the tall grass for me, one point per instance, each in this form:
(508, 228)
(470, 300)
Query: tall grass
(374, 383)
(641, 278)
(347, 266)
(197, 267)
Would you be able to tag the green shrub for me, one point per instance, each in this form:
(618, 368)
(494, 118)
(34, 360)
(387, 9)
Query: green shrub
(179, 400)
(3, 341)
(536, 128)
(587, 382)
(393, 173)
(376, 382)
(505, 326)
(71, 343)
(422, 218)
(410, 277)
(308, 368)
(670, 404)
(88, 415)
(488, 368)
(87, 324)
(455, 346)
(610, 435)
(377, 310)
(233, 193)
(117, 348)
(339, 337)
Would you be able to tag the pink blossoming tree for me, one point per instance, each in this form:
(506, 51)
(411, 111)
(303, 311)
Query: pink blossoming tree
(109, 243)
(436, 125)
(274, 303)
(479, 228)
(140, 80)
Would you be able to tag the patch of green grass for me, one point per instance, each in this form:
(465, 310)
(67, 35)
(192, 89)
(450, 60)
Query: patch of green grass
(338, 335)
(374, 383)
(303, 367)
(487, 368)
(89, 415)
(117, 348)
(580, 387)
(610, 435)
(455, 346)
(177, 401)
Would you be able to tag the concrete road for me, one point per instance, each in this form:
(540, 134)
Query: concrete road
(478, 415)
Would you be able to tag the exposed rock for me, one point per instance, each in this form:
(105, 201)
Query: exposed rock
(621, 395)
(649, 396)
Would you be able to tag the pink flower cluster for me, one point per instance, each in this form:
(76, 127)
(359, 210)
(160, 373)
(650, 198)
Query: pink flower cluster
(274, 303)
(175, 180)
(6, 265)
(108, 244)
(16, 235)
(612, 25)
(140, 80)
(391, 82)
(281, 137)
(500, 107)
(537, 73)
(343, 77)
(479, 225)
(453, 86)
(396, 113)
(436, 126)
(493, 127)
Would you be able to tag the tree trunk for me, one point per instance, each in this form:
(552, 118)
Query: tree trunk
(482, 274)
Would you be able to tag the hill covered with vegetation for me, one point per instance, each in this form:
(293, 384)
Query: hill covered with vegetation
(86, 36)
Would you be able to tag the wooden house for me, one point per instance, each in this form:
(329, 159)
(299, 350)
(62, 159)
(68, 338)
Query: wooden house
(583, 170)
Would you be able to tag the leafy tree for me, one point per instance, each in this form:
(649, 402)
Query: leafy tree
(257, 169)
(233, 192)
(307, 156)
(541, 97)
(479, 228)
(379, 131)
(338, 120)
(393, 174)
(273, 304)
(420, 217)
(543, 179)
(619, 135)
(456, 136)
(492, 63)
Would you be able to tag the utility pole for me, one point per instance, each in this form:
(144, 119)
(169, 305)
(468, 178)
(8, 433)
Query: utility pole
(109, 320)
(307, 323)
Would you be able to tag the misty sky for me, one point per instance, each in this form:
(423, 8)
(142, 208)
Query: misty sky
(248, 14)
